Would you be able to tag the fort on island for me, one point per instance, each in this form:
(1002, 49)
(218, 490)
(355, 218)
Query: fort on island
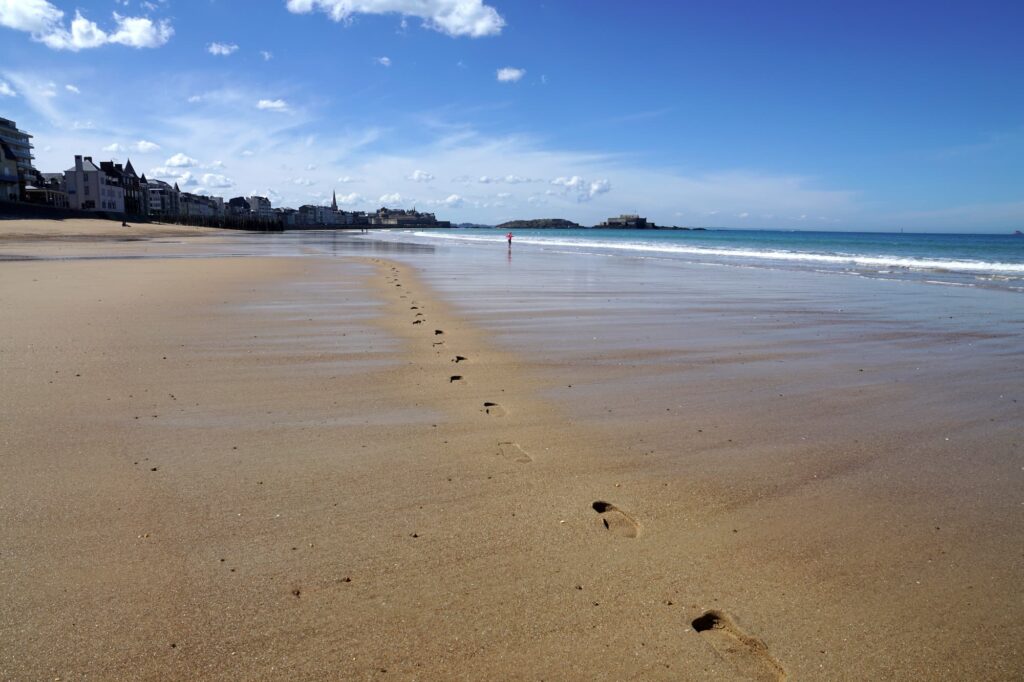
(628, 220)
(112, 190)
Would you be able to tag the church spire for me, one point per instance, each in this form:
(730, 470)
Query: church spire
(334, 201)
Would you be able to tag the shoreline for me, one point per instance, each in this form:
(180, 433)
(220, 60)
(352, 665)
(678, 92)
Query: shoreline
(328, 501)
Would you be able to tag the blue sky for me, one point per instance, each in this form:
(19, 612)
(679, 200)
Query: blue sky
(807, 115)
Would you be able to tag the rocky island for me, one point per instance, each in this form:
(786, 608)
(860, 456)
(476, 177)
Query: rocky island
(538, 223)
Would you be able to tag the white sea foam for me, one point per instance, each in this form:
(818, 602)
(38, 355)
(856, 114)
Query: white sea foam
(854, 260)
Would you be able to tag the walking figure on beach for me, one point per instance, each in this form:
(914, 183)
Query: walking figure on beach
(509, 238)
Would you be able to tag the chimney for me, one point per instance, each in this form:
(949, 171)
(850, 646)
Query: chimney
(78, 162)
(89, 159)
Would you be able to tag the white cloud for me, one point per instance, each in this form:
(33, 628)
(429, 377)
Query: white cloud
(83, 125)
(72, 88)
(272, 105)
(38, 94)
(46, 24)
(140, 32)
(172, 175)
(745, 214)
(84, 34)
(114, 148)
(222, 49)
(394, 198)
(303, 182)
(453, 201)
(384, 61)
(452, 17)
(583, 190)
(274, 197)
(510, 179)
(510, 74)
(6, 90)
(267, 56)
(420, 176)
(248, 152)
(37, 17)
(599, 187)
(195, 98)
(180, 160)
(145, 146)
(351, 199)
(217, 181)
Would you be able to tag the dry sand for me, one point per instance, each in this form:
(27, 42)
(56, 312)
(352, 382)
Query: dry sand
(87, 229)
(310, 468)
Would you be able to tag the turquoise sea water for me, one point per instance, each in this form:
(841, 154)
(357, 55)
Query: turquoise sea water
(995, 261)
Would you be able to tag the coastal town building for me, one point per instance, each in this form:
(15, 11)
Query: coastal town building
(164, 199)
(50, 190)
(91, 189)
(144, 191)
(260, 208)
(311, 215)
(288, 217)
(130, 184)
(9, 187)
(19, 146)
(238, 207)
(399, 217)
(200, 206)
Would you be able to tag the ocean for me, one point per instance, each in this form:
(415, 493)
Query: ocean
(988, 261)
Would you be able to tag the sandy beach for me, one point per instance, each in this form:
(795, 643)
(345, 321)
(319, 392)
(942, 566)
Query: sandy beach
(230, 456)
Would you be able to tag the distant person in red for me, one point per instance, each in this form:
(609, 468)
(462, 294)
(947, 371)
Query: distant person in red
(509, 238)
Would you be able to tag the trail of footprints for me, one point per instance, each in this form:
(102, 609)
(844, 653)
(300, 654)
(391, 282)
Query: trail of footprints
(747, 654)
(489, 408)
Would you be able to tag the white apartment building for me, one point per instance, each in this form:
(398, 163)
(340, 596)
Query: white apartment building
(90, 189)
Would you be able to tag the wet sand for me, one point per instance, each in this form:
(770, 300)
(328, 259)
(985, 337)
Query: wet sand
(266, 467)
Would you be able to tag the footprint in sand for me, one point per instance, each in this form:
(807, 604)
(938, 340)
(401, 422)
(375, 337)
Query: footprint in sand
(459, 358)
(417, 321)
(747, 654)
(438, 332)
(494, 409)
(514, 452)
(453, 378)
(616, 520)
